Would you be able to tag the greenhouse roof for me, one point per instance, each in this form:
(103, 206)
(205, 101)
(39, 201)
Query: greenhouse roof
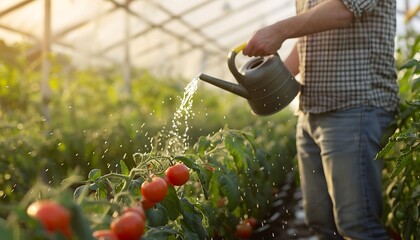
(170, 37)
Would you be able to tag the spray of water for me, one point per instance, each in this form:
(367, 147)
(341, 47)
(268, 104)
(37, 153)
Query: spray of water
(175, 140)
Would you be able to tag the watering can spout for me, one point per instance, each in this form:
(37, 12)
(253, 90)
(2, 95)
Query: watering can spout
(228, 86)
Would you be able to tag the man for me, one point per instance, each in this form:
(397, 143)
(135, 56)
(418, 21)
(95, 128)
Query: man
(349, 96)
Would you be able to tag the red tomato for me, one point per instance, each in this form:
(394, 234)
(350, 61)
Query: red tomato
(178, 174)
(244, 230)
(53, 216)
(166, 179)
(221, 202)
(146, 204)
(252, 221)
(155, 190)
(129, 226)
(136, 209)
(104, 234)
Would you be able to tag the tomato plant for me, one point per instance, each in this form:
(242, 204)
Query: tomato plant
(214, 200)
(401, 150)
(53, 216)
(178, 174)
(154, 190)
(128, 226)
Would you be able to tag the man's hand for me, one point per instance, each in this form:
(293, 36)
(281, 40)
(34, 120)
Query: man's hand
(264, 42)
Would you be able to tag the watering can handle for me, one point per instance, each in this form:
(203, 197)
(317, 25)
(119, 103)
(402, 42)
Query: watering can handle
(240, 48)
(231, 61)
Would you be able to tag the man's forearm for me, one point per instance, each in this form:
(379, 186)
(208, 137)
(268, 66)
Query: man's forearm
(332, 14)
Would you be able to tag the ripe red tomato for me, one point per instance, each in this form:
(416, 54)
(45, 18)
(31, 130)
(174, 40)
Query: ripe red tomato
(244, 230)
(166, 179)
(146, 204)
(252, 221)
(104, 234)
(178, 174)
(221, 202)
(136, 209)
(53, 216)
(129, 226)
(155, 190)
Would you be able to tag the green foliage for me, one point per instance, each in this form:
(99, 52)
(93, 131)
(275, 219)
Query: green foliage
(92, 122)
(93, 125)
(402, 150)
(224, 166)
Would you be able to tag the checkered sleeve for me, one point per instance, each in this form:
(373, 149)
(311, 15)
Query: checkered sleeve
(359, 7)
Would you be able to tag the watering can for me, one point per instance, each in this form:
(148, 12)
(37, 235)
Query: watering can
(264, 81)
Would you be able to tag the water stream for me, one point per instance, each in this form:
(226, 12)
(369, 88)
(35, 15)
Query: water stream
(174, 141)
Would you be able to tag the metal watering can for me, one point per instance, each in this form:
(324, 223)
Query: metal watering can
(264, 81)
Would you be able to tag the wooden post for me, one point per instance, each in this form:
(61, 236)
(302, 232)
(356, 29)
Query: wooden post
(46, 64)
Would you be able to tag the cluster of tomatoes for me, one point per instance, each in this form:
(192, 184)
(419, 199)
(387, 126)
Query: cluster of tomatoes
(130, 225)
(55, 218)
(155, 189)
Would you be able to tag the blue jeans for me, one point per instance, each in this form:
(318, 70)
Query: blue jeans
(340, 180)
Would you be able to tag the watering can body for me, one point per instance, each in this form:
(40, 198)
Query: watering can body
(265, 82)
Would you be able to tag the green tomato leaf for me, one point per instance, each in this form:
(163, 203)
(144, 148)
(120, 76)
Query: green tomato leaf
(415, 85)
(188, 233)
(409, 64)
(388, 147)
(416, 192)
(79, 224)
(124, 168)
(191, 222)
(160, 233)
(236, 148)
(157, 217)
(134, 186)
(171, 204)
(201, 146)
(94, 174)
(401, 162)
(209, 213)
(229, 186)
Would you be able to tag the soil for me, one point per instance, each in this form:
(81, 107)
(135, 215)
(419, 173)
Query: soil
(287, 221)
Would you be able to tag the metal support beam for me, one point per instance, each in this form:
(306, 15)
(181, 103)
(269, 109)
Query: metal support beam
(46, 64)
(233, 29)
(26, 34)
(153, 26)
(15, 7)
(127, 59)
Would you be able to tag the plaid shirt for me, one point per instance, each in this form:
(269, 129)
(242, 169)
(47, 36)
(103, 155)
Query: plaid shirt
(353, 66)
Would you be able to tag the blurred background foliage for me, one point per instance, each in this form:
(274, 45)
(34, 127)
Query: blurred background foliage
(94, 123)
